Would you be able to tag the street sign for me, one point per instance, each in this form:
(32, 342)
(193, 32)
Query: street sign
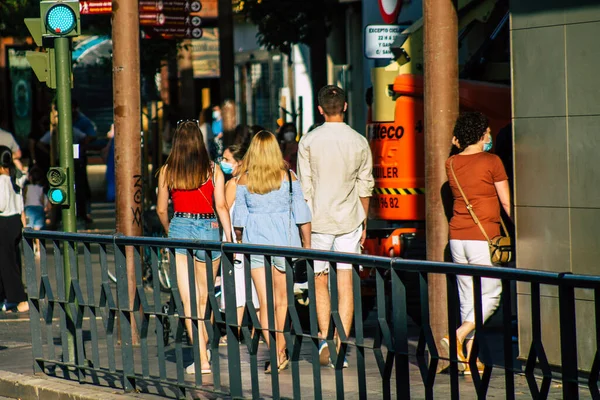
(378, 39)
(93, 7)
(164, 19)
(87, 7)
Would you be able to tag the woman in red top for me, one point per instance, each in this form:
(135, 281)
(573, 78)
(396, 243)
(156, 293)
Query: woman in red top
(483, 179)
(194, 184)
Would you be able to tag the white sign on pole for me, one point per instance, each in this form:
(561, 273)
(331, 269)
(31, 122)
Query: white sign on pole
(378, 39)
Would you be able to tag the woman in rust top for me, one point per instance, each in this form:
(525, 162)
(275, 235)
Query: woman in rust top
(483, 180)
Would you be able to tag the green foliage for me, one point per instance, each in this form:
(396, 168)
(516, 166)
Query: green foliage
(283, 23)
(12, 14)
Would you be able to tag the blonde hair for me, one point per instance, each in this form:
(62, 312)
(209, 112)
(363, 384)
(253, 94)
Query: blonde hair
(263, 164)
(188, 165)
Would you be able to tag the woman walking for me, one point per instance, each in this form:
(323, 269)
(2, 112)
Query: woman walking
(267, 212)
(482, 178)
(12, 292)
(194, 184)
(230, 165)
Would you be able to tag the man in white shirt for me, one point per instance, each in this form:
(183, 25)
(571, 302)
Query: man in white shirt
(335, 167)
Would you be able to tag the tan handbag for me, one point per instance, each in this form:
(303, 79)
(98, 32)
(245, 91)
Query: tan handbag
(500, 246)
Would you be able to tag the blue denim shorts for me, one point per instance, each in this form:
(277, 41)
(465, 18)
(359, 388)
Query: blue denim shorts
(195, 229)
(36, 218)
(258, 261)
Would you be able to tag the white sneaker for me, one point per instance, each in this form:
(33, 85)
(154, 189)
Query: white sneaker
(345, 365)
(191, 370)
(323, 353)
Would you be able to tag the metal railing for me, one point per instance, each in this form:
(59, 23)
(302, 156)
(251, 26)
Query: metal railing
(386, 355)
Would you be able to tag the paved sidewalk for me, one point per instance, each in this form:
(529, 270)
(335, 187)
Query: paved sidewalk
(18, 381)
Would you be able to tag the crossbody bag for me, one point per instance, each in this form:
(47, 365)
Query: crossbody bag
(298, 265)
(500, 246)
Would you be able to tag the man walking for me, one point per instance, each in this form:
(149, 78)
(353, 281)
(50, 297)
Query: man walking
(335, 167)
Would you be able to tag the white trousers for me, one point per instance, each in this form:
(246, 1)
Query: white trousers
(475, 252)
(240, 285)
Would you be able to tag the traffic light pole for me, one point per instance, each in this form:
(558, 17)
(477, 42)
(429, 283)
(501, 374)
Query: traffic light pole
(62, 46)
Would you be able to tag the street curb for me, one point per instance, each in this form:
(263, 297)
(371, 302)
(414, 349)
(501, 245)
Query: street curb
(26, 387)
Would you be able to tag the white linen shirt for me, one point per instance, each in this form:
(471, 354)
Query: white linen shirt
(335, 167)
(11, 203)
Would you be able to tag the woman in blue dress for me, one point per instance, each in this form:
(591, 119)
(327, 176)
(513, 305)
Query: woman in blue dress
(266, 213)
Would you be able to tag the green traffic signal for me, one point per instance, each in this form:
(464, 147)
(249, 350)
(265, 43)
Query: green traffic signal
(59, 186)
(60, 19)
(57, 196)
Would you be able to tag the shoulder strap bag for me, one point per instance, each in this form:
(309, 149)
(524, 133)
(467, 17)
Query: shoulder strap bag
(299, 264)
(500, 246)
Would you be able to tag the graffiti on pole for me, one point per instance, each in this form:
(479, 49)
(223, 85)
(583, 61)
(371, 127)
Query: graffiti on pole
(137, 199)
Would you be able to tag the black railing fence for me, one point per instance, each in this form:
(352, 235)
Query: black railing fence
(86, 330)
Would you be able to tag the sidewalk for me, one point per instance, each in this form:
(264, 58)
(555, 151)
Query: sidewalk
(18, 381)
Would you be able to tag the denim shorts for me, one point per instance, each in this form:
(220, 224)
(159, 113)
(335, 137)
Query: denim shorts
(195, 229)
(36, 218)
(258, 261)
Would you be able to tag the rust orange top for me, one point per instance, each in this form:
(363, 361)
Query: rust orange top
(476, 174)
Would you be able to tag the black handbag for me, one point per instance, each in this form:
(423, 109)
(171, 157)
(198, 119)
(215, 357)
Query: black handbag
(299, 264)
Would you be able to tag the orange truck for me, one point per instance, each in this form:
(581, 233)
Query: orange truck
(395, 130)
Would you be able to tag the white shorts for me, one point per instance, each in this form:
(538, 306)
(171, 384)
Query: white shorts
(345, 243)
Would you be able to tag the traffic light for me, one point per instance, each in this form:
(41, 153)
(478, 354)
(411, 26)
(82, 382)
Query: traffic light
(59, 186)
(60, 18)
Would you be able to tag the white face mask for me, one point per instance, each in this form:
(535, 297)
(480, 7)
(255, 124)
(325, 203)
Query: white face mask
(289, 136)
(216, 115)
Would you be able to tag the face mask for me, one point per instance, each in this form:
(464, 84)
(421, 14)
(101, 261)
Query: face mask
(488, 145)
(216, 115)
(226, 167)
(289, 136)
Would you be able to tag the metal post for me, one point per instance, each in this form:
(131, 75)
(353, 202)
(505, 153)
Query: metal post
(62, 47)
(126, 92)
(226, 60)
(441, 109)
(187, 93)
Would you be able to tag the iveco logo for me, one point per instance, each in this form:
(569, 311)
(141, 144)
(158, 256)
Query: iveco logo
(389, 10)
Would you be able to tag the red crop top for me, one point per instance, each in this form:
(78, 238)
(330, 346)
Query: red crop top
(195, 201)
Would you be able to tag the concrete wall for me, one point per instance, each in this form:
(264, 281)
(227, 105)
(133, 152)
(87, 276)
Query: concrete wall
(556, 123)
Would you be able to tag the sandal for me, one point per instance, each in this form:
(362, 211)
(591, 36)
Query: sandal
(462, 360)
(283, 365)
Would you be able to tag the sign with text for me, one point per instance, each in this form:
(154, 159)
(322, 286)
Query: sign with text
(93, 7)
(378, 39)
(205, 53)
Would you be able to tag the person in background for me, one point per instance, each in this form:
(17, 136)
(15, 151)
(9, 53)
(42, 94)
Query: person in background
(7, 139)
(483, 179)
(241, 136)
(39, 158)
(108, 155)
(85, 125)
(194, 184)
(217, 129)
(12, 220)
(335, 166)
(230, 165)
(80, 138)
(36, 202)
(265, 214)
(205, 122)
(81, 121)
(287, 141)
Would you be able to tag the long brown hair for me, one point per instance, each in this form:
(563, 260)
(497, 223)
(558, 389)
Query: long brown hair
(188, 165)
(263, 164)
